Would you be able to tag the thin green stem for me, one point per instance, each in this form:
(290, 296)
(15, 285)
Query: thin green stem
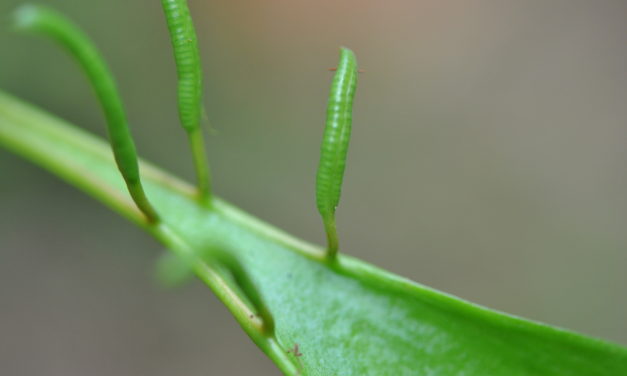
(189, 87)
(138, 194)
(203, 174)
(49, 23)
(333, 243)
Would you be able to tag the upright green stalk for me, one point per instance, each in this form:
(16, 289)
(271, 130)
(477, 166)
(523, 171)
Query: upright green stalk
(189, 74)
(335, 145)
(45, 21)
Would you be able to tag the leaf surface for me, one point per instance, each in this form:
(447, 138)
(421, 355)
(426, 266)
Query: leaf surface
(311, 317)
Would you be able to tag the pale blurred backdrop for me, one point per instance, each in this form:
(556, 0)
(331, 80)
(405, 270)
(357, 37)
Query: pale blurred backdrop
(488, 160)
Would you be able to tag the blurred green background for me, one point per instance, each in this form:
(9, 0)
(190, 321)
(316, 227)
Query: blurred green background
(488, 160)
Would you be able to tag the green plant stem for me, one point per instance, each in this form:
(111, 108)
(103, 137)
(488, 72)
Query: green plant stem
(203, 175)
(349, 317)
(189, 92)
(332, 239)
(48, 22)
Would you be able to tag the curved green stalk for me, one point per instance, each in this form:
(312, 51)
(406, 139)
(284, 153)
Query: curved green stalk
(347, 317)
(189, 72)
(335, 145)
(45, 21)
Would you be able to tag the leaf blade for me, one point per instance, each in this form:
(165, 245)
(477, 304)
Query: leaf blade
(349, 318)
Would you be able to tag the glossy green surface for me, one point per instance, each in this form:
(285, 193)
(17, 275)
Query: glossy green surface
(335, 140)
(47, 22)
(348, 317)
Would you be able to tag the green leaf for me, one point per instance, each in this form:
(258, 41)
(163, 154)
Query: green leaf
(309, 316)
(172, 271)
